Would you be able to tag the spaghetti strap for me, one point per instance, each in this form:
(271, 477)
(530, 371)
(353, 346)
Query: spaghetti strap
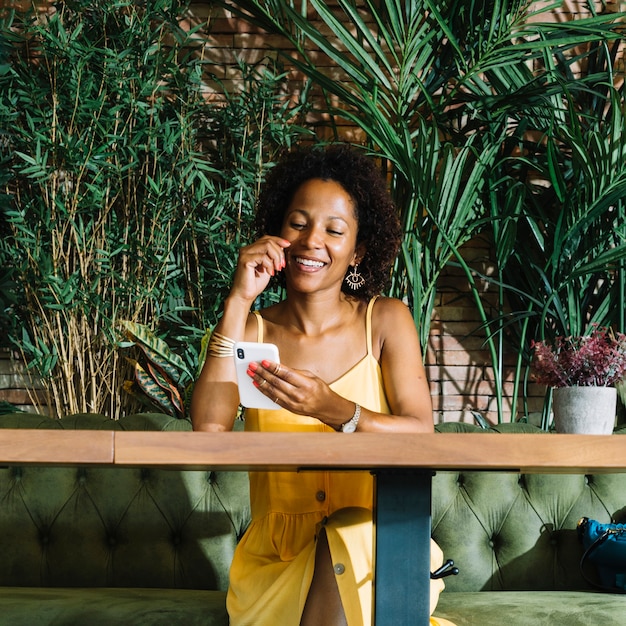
(368, 324)
(259, 331)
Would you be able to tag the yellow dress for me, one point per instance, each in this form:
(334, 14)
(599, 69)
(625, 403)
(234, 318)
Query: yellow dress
(273, 564)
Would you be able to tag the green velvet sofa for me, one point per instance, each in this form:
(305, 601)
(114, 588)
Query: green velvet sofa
(105, 546)
(89, 546)
(513, 537)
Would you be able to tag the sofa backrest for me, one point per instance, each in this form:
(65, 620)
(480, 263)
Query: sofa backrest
(510, 531)
(118, 527)
(77, 526)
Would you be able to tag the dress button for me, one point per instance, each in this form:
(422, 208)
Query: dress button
(339, 568)
(320, 496)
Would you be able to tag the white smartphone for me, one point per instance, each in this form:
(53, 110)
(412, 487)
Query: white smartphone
(245, 352)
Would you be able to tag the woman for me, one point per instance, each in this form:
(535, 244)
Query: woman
(350, 362)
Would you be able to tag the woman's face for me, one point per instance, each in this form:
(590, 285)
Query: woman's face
(322, 227)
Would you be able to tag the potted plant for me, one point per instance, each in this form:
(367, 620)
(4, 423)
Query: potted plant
(583, 372)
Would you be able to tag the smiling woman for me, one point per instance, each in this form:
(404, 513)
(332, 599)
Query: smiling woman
(321, 226)
(350, 363)
(379, 232)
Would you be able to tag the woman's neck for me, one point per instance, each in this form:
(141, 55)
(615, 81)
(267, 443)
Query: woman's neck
(315, 314)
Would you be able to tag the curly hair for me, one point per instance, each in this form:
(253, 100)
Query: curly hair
(378, 226)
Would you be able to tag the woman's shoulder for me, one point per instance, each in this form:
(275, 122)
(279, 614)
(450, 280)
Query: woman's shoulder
(393, 322)
(390, 308)
(271, 313)
(261, 319)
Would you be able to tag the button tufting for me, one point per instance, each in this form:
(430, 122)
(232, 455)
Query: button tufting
(339, 568)
(112, 541)
(210, 477)
(320, 496)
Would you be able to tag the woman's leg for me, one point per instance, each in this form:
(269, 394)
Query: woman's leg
(323, 604)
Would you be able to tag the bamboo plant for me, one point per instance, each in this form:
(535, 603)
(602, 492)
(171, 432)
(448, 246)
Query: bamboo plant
(114, 207)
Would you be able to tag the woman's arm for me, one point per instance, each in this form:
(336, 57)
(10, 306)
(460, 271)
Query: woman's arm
(404, 379)
(215, 396)
(404, 376)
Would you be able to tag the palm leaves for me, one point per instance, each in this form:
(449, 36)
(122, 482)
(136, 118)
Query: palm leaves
(410, 70)
(573, 260)
(472, 103)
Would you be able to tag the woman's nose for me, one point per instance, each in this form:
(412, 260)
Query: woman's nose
(312, 237)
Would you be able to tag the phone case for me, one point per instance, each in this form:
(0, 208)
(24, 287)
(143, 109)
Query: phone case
(245, 353)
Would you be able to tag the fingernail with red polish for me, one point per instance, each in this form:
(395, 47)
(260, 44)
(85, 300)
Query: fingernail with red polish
(265, 364)
(254, 366)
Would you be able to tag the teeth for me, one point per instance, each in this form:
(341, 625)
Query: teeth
(309, 262)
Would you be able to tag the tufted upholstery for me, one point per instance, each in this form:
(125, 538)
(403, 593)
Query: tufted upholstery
(81, 527)
(514, 533)
(519, 530)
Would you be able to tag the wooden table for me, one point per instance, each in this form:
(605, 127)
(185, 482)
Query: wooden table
(402, 464)
(56, 447)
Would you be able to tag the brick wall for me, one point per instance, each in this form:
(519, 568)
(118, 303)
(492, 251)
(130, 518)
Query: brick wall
(458, 364)
(16, 386)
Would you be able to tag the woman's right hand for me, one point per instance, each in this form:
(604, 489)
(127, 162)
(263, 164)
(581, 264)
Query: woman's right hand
(257, 263)
(215, 395)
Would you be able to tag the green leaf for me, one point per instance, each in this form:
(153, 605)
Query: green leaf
(154, 391)
(156, 350)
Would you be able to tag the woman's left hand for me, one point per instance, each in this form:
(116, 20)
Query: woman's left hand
(299, 391)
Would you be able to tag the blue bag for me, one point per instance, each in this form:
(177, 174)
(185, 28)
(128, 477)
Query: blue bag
(605, 547)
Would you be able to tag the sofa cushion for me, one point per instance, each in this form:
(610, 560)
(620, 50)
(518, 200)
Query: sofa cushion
(106, 607)
(95, 421)
(517, 532)
(529, 608)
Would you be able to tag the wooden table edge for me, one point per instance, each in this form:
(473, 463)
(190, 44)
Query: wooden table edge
(23, 446)
(528, 453)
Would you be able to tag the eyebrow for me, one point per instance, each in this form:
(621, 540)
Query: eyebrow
(306, 214)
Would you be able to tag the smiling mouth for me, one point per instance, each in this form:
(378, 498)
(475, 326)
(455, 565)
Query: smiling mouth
(308, 262)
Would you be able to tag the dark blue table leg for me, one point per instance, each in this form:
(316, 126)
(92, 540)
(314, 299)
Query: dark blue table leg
(402, 547)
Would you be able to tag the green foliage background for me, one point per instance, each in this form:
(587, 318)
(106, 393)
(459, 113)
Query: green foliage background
(126, 195)
(500, 122)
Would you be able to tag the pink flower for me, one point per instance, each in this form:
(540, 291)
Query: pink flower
(597, 359)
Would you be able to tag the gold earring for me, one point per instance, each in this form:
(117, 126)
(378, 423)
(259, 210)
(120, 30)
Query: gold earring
(355, 279)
